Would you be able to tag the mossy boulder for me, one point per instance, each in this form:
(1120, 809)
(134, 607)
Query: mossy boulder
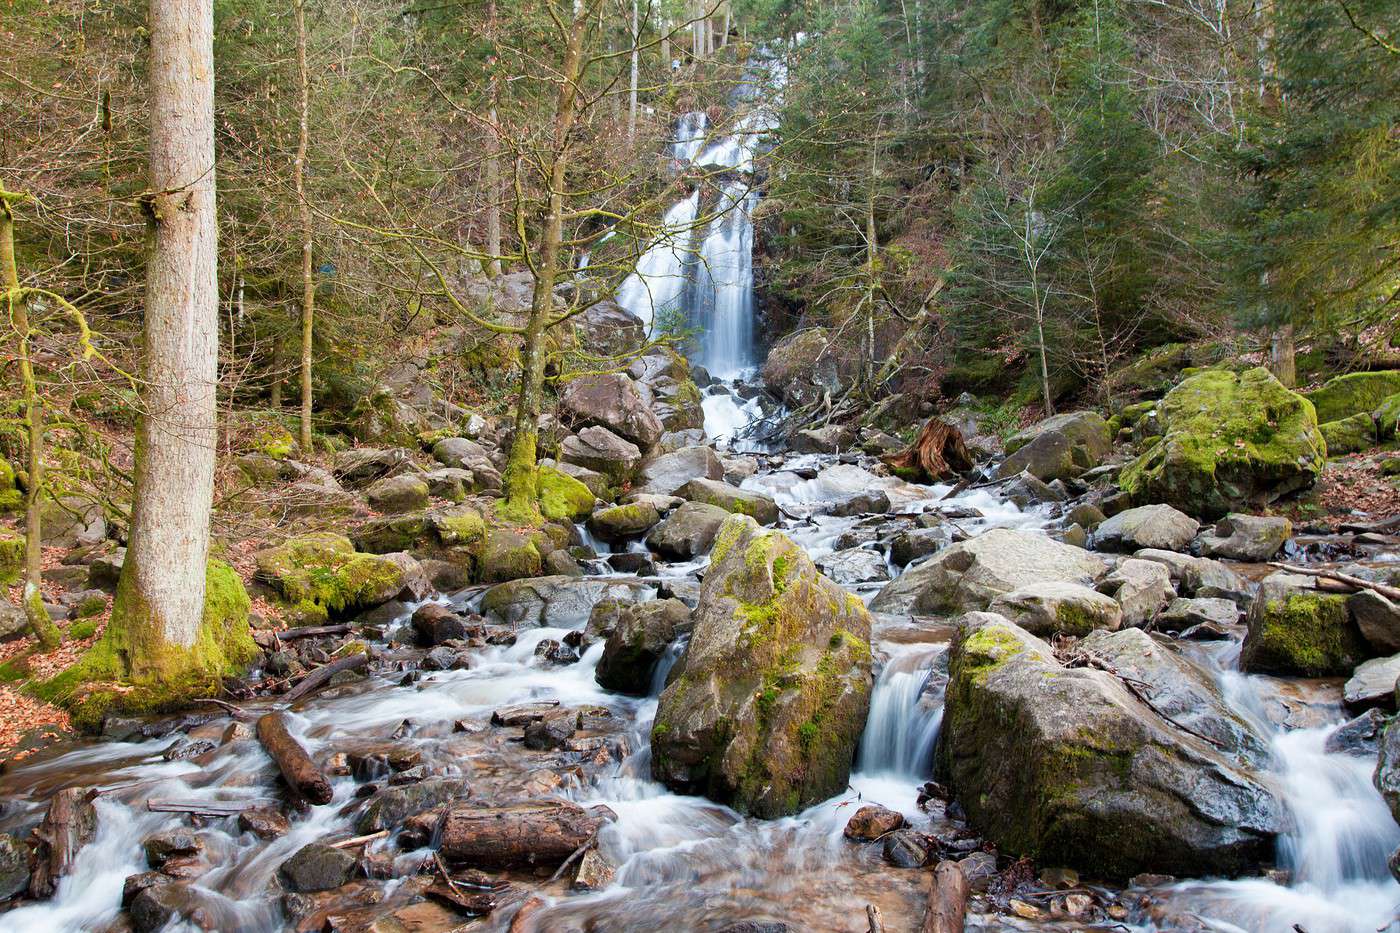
(403, 493)
(1052, 607)
(1387, 418)
(1296, 630)
(1354, 394)
(598, 449)
(11, 557)
(510, 555)
(1230, 440)
(1069, 767)
(562, 497)
(11, 498)
(1060, 447)
(322, 576)
(638, 639)
(804, 365)
(1349, 435)
(274, 441)
(756, 505)
(613, 401)
(619, 522)
(764, 711)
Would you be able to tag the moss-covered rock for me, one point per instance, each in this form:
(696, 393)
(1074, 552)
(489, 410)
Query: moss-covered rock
(619, 522)
(803, 365)
(1387, 418)
(322, 575)
(11, 557)
(764, 711)
(562, 497)
(758, 506)
(1349, 435)
(1354, 394)
(1230, 441)
(510, 555)
(275, 441)
(1296, 630)
(125, 672)
(11, 499)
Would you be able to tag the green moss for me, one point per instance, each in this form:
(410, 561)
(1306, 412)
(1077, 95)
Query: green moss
(83, 628)
(509, 556)
(321, 575)
(1387, 416)
(90, 606)
(1307, 634)
(985, 650)
(275, 441)
(1354, 394)
(563, 497)
(462, 528)
(1349, 435)
(11, 558)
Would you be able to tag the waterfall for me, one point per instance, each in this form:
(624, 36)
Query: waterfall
(906, 710)
(722, 300)
(659, 283)
(690, 136)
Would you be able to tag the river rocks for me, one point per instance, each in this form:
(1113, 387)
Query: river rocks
(1050, 607)
(1148, 526)
(435, 623)
(804, 366)
(318, 867)
(1142, 587)
(156, 904)
(510, 555)
(1387, 773)
(907, 848)
(14, 866)
(263, 822)
(760, 507)
(871, 822)
(1246, 537)
(551, 731)
(1060, 447)
(392, 805)
(667, 474)
(637, 640)
(908, 546)
(1372, 684)
(555, 602)
(1230, 440)
(831, 439)
(322, 575)
(971, 574)
(764, 711)
(1360, 736)
(1182, 614)
(175, 843)
(854, 566)
(619, 522)
(1294, 629)
(1067, 766)
(402, 493)
(1378, 620)
(601, 450)
(610, 400)
(1199, 576)
(687, 532)
(1353, 394)
(360, 466)
(532, 834)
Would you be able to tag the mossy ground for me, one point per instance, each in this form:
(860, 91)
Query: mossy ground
(11, 558)
(1354, 394)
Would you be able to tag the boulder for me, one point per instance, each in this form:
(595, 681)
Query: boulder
(760, 507)
(1230, 441)
(638, 639)
(1246, 537)
(1142, 587)
(318, 867)
(1360, 736)
(1068, 767)
(1182, 614)
(667, 474)
(450, 483)
(1353, 394)
(434, 624)
(1372, 685)
(564, 497)
(972, 573)
(1387, 418)
(1061, 447)
(72, 521)
(596, 482)
(388, 808)
(908, 546)
(606, 328)
(764, 711)
(601, 450)
(1199, 576)
(854, 566)
(612, 401)
(555, 602)
(619, 522)
(402, 493)
(688, 532)
(12, 547)
(871, 822)
(1051, 607)
(831, 439)
(510, 555)
(1387, 774)
(1148, 526)
(321, 575)
(804, 366)
(14, 866)
(1378, 619)
(1294, 629)
(1349, 435)
(13, 622)
(360, 466)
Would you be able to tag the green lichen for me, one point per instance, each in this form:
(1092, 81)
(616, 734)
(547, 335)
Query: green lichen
(562, 497)
(1354, 394)
(1349, 435)
(322, 575)
(11, 558)
(83, 628)
(275, 441)
(1307, 634)
(11, 499)
(1387, 417)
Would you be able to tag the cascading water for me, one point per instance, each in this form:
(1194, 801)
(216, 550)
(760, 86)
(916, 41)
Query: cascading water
(658, 286)
(721, 293)
(905, 713)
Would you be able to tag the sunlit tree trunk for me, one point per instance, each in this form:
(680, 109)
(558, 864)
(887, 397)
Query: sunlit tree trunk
(632, 87)
(308, 285)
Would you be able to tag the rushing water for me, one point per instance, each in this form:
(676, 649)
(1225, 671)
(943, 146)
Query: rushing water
(722, 285)
(657, 288)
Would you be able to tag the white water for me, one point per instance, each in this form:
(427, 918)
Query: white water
(658, 285)
(722, 300)
(902, 727)
(690, 136)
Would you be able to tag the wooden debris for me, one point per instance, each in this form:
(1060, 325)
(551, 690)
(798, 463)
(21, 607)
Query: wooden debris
(1391, 593)
(204, 808)
(937, 452)
(69, 825)
(873, 919)
(298, 770)
(322, 675)
(947, 901)
(529, 834)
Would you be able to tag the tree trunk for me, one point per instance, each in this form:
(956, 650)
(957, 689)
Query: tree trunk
(493, 164)
(938, 451)
(520, 835)
(947, 902)
(45, 632)
(308, 286)
(298, 770)
(1282, 355)
(521, 478)
(636, 71)
(160, 598)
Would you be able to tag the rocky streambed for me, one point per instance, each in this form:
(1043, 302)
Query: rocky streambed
(808, 684)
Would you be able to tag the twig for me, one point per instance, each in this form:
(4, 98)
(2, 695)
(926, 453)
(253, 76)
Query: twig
(361, 840)
(1389, 592)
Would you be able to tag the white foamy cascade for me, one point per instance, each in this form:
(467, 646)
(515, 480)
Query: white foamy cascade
(722, 297)
(659, 283)
(905, 715)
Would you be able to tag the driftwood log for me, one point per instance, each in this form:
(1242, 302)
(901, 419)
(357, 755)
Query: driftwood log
(298, 770)
(947, 901)
(936, 453)
(322, 675)
(522, 835)
(1391, 593)
(67, 827)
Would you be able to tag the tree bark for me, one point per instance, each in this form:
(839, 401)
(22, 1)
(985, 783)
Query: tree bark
(1283, 355)
(636, 70)
(319, 677)
(298, 770)
(493, 162)
(69, 824)
(160, 598)
(308, 285)
(517, 836)
(947, 903)
(937, 452)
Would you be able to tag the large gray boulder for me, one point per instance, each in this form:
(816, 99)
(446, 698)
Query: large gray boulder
(602, 451)
(639, 637)
(1147, 526)
(1142, 588)
(1060, 447)
(403, 493)
(1069, 767)
(556, 601)
(1372, 685)
(1246, 537)
(612, 401)
(854, 566)
(1199, 576)
(758, 506)
(687, 532)
(666, 474)
(1054, 607)
(971, 574)
(1378, 620)
(764, 711)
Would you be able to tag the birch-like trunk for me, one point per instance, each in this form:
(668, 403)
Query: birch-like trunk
(308, 284)
(161, 596)
(636, 70)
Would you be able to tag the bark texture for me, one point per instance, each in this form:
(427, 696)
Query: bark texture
(517, 836)
(298, 770)
(937, 452)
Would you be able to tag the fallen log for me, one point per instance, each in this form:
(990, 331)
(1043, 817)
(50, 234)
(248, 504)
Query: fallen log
(321, 675)
(312, 631)
(937, 452)
(69, 824)
(298, 770)
(1391, 593)
(204, 808)
(947, 902)
(544, 833)
(873, 919)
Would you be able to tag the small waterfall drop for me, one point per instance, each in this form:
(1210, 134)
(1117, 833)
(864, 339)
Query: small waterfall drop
(906, 711)
(722, 300)
(659, 284)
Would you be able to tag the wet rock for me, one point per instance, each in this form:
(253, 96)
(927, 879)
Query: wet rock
(1378, 619)
(185, 749)
(522, 714)
(871, 822)
(619, 522)
(854, 566)
(263, 822)
(1050, 607)
(760, 507)
(556, 602)
(551, 731)
(1386, 777)
(757, 926)
(561, 564)
(764, 711)
(1059, 447)
(318, 867)
(1142, 588)
(396, 494)
(979, 869)
(510, 555)
(637, 641)
(533, 834)
(1230, 440)
(135, 884)
(1360, 736)
(633, 562)
(167, 845)
(1246, 537)
(1148, 526)
(555, 652)
(391, 806)
(970, 574)
(612, 401)
(595, 872)
(908, 546)
(831, 439)
(1086, 515)
(1182, 614)
(1294, 629)
(906, 848)
(157, 905)
(1068, 766)
(667, 474)
(603, 451)
(687, 532)
(1200, 576)
(434, 624)
(1372, 685)
(14, 866)
(443, 658)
